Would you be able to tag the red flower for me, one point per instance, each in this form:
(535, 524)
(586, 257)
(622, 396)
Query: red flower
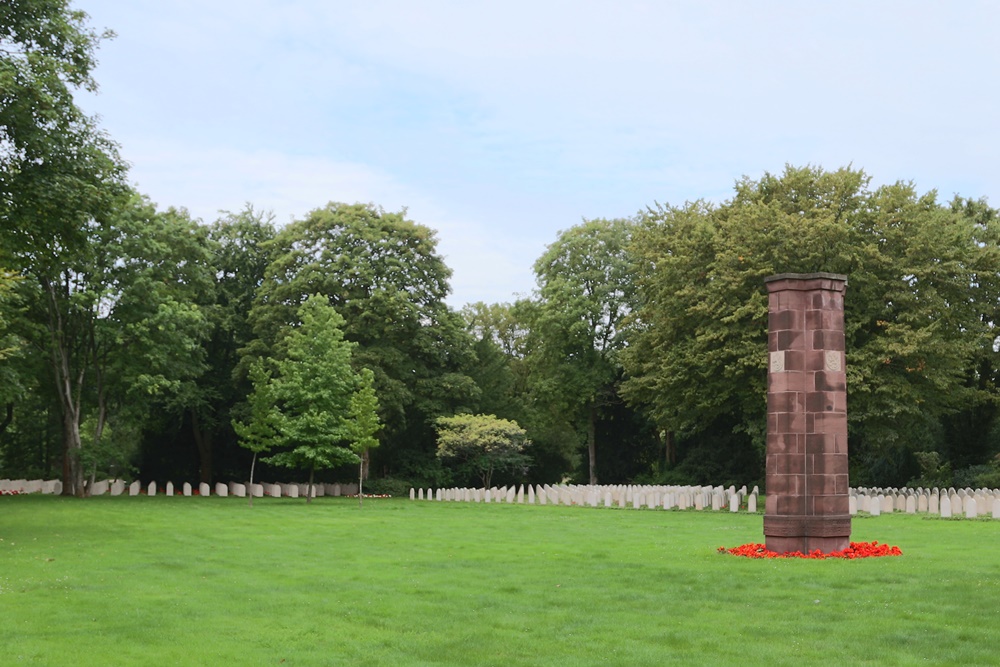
(855, 550)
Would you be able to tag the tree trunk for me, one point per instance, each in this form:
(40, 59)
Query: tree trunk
(361, 479)
(203, 439)
(72, 467)
(8, 419)
(309, 487)
(253, 463)
(102, 415)
(592, 441)
(669, 449)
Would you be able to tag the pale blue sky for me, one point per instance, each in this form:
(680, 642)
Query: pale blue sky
(500, 123)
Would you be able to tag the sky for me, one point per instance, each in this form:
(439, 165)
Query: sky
(499, 124)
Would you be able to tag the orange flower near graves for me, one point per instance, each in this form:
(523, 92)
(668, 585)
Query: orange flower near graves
(854, 551)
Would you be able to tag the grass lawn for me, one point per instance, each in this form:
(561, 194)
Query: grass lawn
(208, 581)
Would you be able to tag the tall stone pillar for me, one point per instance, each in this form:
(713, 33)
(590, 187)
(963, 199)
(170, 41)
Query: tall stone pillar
(807, 505)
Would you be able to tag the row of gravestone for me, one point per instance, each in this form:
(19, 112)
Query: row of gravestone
(118, 487)
(620, 495)
(51, 486)
(946, 503)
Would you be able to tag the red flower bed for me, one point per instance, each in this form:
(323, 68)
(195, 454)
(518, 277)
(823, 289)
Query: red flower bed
(856, 550)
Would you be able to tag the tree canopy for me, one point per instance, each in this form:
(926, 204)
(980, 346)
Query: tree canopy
(585, 295)
(484, 443)
(135, 340)
(919, 318)
(382, 274)
(313, 397)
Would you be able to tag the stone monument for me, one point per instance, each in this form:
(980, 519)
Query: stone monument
(807, 505)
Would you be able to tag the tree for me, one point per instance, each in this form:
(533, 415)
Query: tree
(484, 443)
(57, 170)
(921, 296)
(260, 430)
(10, 345)
(60, 180)
(382, 274)
(364, 424)
(239, 259)
(118, 323)
(585, 295)
(312, 388)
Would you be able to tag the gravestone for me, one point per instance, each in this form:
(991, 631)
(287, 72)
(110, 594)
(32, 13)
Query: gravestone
(133, 488)
(186, 489)
(945, 507)
(151, 489)
(970, 508)
(169, 488)
(204, 489)
(807, 506)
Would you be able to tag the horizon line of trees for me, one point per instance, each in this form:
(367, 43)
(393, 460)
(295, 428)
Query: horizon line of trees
(138, 341)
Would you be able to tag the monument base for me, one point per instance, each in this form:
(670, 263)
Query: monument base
(807, 533)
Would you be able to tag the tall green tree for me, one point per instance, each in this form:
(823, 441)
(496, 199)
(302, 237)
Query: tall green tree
(60, 181)
(921, 294)
(239, 258)
(363, 424)
(258, 432)
(312, 387)
(585, 295)
(383, 274)
(58, 171)
(120, 326)
(10, 345)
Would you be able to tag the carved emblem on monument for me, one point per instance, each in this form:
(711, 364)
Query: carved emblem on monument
(778, 361)
(833, 360)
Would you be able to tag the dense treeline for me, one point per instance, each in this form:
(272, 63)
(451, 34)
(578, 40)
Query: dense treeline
(136, 341)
